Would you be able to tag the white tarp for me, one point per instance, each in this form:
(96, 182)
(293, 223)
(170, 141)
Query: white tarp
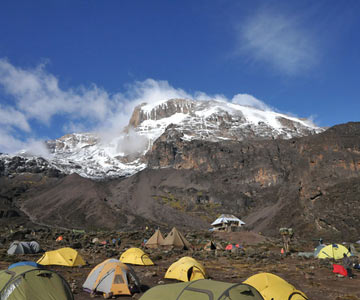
(227, 219)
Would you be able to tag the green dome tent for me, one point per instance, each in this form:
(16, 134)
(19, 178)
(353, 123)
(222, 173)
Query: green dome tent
(202, 289)
(28, 282)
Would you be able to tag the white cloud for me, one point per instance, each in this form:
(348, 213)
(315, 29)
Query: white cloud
(10, 117)
(36, 147)
(248, 100)
(8, 142)
(74, 127)
(36, 95)
(132, 142)
(278, 40)
(11, 144)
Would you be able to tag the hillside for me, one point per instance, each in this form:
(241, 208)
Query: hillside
(310, 183)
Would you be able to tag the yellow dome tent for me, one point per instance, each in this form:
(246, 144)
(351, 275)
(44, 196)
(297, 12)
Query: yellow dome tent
(186, 269)
(112, 277)
(271, 287)
(334, 251)
(136, 256)
(62, 257)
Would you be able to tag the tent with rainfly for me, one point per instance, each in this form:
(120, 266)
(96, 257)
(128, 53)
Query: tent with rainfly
(28, 282)
(136, 256)
(155, 241)
(112, 277)
(186, 269)
(63, 257)
(176, 239)
(334, 251)
(203, 289)
(272, 287)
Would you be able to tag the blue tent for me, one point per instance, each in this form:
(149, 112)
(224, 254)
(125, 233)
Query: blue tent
(25, 263)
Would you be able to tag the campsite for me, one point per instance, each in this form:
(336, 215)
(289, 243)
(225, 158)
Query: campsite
(179, 150)
(255, 254)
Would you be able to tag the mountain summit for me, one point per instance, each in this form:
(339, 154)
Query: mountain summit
(216, 120)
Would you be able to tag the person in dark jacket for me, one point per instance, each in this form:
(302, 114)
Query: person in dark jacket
(347, 264)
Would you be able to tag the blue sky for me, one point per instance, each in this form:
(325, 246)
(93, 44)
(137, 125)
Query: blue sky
(83, 65)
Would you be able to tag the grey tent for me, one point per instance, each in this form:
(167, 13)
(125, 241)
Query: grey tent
(318, 249)
(17, 247)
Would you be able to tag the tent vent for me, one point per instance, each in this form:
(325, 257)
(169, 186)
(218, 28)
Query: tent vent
(46, 275)
(118, 279)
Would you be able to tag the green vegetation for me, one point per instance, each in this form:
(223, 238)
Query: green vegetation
(170, 200)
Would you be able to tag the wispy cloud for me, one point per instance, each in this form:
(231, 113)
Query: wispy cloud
(249, 100)
(37, 96)
(279, 40)
(10, 117)
(9, 143)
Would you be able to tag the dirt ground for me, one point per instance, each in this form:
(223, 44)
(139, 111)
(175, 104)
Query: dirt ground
(258, 254)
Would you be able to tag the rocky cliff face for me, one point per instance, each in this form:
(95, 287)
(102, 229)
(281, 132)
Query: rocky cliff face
(11, 165)
(162, 110)
(296, 182)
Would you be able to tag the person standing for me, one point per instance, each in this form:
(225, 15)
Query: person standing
(347, 265)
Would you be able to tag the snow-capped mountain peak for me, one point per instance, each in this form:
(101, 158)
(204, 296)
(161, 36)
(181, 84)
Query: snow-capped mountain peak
(89, 155)
(216, 120)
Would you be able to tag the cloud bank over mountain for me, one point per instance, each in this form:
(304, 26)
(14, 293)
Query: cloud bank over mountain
(33, 97)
